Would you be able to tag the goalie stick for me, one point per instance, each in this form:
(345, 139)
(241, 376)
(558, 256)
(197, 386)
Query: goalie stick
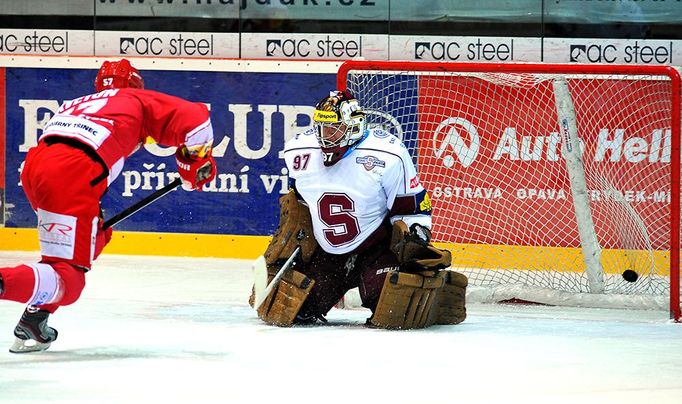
(260, 277)
(129, 211)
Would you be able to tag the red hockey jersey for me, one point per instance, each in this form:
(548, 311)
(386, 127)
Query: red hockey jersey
(116, 122)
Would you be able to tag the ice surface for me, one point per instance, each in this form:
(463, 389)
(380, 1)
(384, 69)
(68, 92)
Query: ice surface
(168, 329)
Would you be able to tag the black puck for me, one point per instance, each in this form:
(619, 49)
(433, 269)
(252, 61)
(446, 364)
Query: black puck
(630, 275)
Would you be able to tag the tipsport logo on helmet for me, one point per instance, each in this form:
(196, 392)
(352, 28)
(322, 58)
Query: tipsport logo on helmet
(325, 116)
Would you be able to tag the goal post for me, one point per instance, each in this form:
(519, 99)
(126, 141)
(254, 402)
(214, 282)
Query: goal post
(551, 183)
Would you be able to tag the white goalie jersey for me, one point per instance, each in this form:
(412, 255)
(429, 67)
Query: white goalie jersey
(349, 200)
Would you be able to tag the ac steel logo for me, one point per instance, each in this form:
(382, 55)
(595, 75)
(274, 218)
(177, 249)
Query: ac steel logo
(177, 45)
(35, 42)
(436, 50)
(273, 47)
(324, 48)
(479, 50)
(127, 46)
(635, 53)
(453, 145)
(593, 53)
(577, 52)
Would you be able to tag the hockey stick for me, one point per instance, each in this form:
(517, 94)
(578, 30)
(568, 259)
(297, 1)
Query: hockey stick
(260, 275)
(20, 345)
(129, 211)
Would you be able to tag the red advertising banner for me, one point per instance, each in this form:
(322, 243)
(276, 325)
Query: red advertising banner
(491, 153)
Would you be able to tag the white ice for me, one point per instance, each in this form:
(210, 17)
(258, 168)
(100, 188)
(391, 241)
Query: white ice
(168, 329)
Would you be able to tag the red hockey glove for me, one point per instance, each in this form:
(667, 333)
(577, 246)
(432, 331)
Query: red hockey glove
(195, 172)
(102, 238)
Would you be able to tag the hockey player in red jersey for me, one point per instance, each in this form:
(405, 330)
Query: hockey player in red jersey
(81, 151)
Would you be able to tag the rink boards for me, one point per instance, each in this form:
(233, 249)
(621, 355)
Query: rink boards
(254, 107)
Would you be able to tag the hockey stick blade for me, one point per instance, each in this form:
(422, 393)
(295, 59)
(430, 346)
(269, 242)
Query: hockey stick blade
(260, 266)
(260, 279)
(129, 211)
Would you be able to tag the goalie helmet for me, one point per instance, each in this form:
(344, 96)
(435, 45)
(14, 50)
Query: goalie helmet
(340, 124)
(119, 74)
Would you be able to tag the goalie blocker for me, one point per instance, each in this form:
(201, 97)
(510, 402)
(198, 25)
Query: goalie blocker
(420, 294)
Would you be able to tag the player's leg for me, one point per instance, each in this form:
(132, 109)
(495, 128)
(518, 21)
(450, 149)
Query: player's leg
(373, 267)
(59, 183)
(50, 286)
(56, 181)
(333, 278)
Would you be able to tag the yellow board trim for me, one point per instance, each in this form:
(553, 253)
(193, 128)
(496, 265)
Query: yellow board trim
(141, 243)
(563, 259)
(250, 247)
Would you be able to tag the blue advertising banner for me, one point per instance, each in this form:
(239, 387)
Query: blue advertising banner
(252, 114)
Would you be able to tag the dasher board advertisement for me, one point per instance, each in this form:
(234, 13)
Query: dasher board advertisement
(252, 115)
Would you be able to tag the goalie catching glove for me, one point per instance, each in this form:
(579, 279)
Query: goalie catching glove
(195, 170)
(414, 251)
(295, 229)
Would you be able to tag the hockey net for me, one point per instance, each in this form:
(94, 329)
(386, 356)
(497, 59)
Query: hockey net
(525, 215)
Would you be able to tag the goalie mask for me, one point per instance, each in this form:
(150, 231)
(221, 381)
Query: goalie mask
(119, 74)
(340, 124)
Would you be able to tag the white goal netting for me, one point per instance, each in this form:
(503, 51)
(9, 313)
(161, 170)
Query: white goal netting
(548, 186)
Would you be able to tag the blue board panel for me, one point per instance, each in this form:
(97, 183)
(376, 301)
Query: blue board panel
(251, 114)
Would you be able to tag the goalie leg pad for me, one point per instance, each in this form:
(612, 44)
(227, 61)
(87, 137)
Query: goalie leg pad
(451, 299)
(285, 300)
(407, 301)
(295, 228)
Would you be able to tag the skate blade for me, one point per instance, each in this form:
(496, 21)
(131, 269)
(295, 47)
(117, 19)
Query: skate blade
(28, 345)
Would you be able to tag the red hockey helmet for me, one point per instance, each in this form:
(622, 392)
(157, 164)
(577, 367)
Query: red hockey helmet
(119, 74)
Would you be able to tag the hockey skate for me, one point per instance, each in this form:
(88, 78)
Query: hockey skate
(309, 319)
(32, 332)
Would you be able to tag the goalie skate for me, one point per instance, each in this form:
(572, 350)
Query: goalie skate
(32, 332)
